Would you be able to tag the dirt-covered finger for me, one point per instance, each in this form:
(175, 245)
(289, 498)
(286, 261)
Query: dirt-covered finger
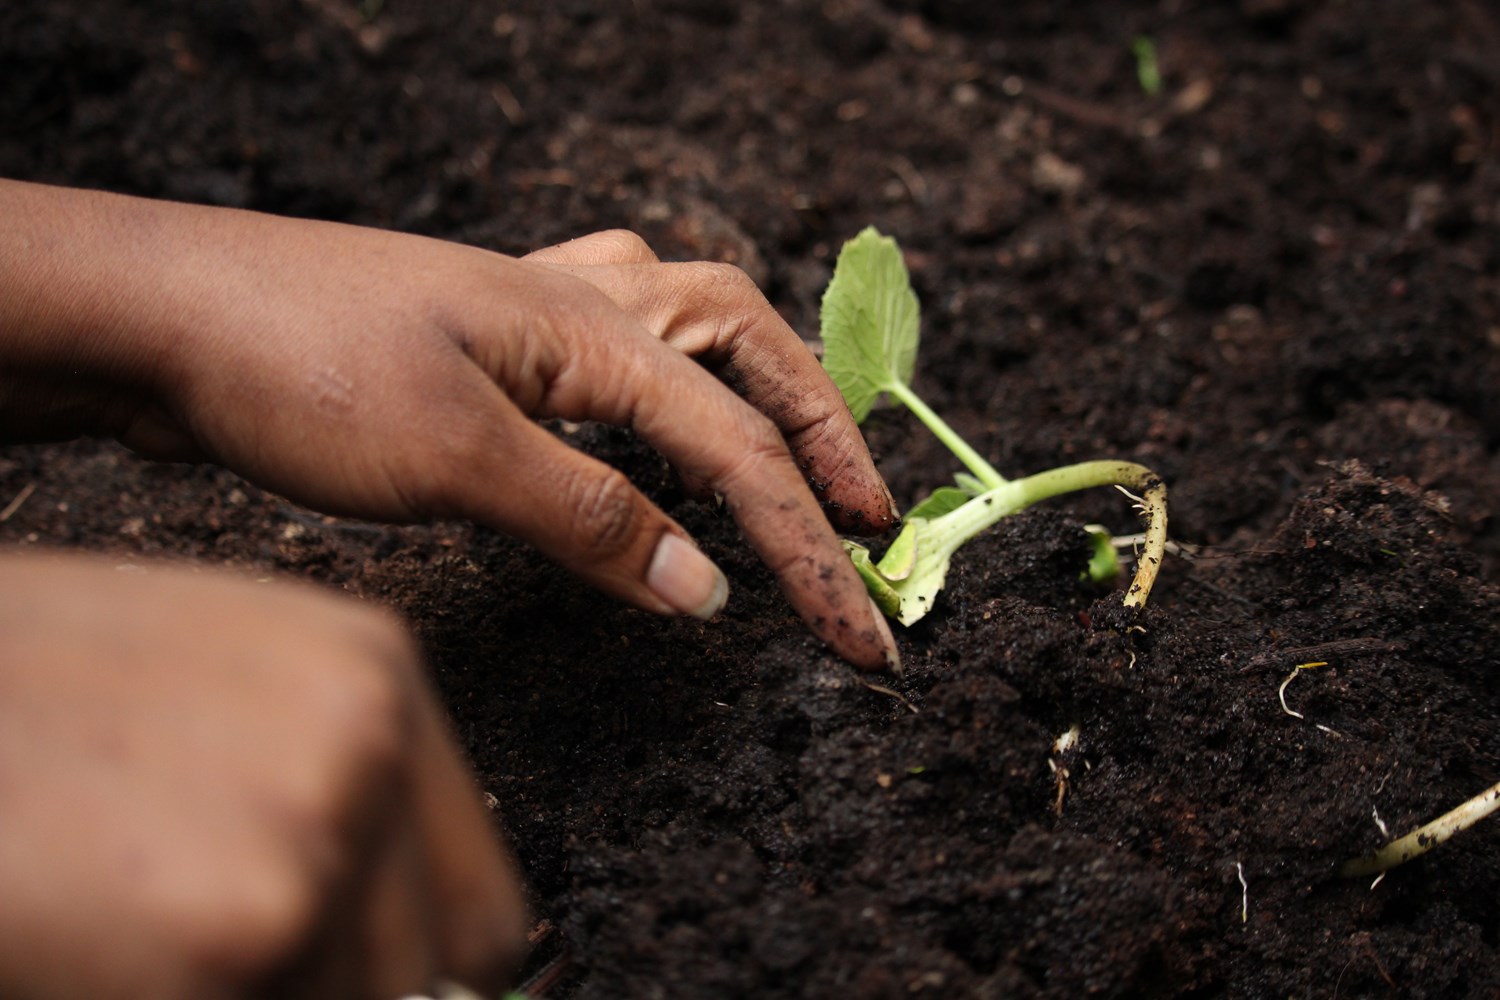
(715, 314)
(710, 434)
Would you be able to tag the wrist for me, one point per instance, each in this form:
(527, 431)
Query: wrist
(83, 274)
(91, 326)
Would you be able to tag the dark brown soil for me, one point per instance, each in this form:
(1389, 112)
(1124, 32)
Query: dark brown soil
(1275, 282)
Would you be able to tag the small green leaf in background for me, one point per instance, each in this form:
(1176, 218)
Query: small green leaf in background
(870, 321)
(1104, 561)
(1147, 69)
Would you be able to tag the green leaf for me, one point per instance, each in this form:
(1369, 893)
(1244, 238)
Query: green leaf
(1104, 561)
(1147, 69)
(870, 320)
(942, 500)
(933, 546)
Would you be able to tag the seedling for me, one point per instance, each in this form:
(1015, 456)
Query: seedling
(870, 320)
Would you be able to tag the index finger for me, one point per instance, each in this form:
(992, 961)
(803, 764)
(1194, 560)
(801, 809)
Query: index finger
(714, 313)
(597, 363)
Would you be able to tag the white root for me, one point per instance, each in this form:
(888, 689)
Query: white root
(1067, 740)
(1425, 838)
(1281, 695)
(1244, 894)
(1061, 746)
(1186, 550)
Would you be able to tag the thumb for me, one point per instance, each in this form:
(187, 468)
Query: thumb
(585, 515)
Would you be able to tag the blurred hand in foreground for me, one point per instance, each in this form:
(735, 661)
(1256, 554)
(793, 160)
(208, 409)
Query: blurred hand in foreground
(213, 788)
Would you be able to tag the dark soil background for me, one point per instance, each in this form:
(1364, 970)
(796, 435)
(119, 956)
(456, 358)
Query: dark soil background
(1275, 282)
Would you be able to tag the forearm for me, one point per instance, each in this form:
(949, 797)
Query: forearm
(87, 321)
(76, 272)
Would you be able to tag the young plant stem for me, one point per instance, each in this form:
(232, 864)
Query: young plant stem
(1153, 493)
(982, 470)
(958, 526)
(1425, 838)
(1130, 476)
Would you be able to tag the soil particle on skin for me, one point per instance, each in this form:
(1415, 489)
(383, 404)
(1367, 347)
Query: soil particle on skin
(1273, 283)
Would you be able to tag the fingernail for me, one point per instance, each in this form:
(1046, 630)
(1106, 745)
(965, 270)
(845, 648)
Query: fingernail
(890, 501)
(883, 629)
(686, 579)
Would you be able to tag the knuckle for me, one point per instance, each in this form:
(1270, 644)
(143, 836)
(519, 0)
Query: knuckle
(357, 715)
(624, 245)
(730, 300)
(725, 285)
(818, 415)
(606, 514)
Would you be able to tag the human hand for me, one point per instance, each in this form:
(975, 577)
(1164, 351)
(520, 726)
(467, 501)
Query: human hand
(213, 788)
(392, 377)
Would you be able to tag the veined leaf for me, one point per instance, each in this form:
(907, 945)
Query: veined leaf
(870, 321)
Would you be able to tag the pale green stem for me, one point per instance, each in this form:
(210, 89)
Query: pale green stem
(1147, 484)
(1425, 838)
(982, 470)
(957, 527)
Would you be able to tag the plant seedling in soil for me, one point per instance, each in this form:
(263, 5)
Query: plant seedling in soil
(870, 321)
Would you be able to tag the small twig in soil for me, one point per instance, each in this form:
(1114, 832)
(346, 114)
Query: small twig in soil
(1363, 941)
(15, 505)
(1424, 838)
(1326, 651)
(1080, 110)
(911, 178)
(539, 985)
(1244, 894)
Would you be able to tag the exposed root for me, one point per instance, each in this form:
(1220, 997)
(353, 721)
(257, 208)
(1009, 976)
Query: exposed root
(1281, 695)
(1425, 838)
